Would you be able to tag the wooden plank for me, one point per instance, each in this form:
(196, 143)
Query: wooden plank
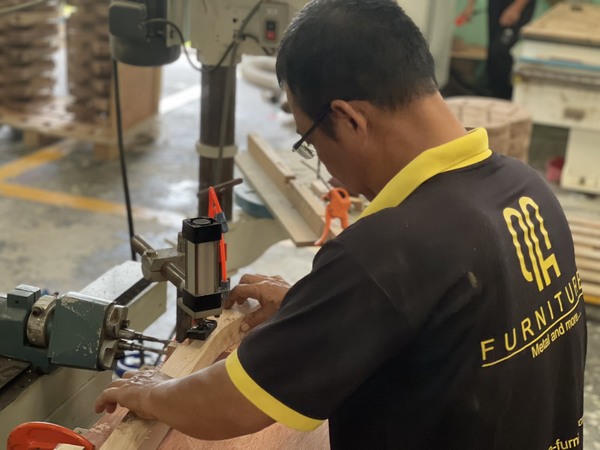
(140, 95)
(319, 188)
(567, 23)
(591, 299)
(134, 433)
(101, 431)
(586, 252)
(275, 437)
(581, 230)
(271, 163)
(591, 289)
(278, 204)
(26, 19)
(54, 119)
(583, 221)
(587, 263)
(586, 241)
(589, 276)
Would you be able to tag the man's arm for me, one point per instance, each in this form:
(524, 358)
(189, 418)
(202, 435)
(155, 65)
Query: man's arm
(204, 405)
(512, 14)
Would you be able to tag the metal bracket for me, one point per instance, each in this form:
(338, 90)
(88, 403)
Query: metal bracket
(212, 152)
(154, 260)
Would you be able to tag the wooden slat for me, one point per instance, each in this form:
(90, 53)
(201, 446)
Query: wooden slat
(591, 289)
(584, 221)
(586, 252)
(310, 206)
(133, 433)
(585, 241)
(580, 230)
(589, 276)
(591, 299)
(567, 23)
(268, 159)
(587, 263)
(277, 203)
(275, 437)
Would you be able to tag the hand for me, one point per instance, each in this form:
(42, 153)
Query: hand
(132, 392)
(511, 15)
(269, 291)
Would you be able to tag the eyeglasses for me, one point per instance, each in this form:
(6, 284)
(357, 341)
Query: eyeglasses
(303, 148)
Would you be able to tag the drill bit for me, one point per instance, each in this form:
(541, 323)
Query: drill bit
(124, 345)
(127, 333)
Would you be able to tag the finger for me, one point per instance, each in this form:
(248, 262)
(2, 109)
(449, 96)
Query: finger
(250, 278)
(243, 292)
(109, 396)
(111, 408)
(254, 319)
(233, 298)
(280, 279)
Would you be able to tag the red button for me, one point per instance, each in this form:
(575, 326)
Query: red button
(271, 35)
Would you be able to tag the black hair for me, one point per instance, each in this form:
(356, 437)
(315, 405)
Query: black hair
(355, 50)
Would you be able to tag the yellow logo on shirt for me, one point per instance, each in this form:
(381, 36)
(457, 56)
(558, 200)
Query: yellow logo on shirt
(534, 265)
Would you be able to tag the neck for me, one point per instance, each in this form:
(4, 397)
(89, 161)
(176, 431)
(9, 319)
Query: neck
(405, 134)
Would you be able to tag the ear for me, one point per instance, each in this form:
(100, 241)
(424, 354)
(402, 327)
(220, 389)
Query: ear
(349, 118)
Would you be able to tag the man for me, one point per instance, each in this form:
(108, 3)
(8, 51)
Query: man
(505, 20)
(449, 316)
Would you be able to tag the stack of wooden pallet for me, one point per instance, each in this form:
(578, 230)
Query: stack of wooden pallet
(88, 113)
(89, 60)
(508, 125)
(28, 40)
(586, 237)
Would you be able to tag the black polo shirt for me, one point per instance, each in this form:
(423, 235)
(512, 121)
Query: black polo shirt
(450, 316)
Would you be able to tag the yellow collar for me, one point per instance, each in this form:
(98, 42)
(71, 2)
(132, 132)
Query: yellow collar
(457, 154)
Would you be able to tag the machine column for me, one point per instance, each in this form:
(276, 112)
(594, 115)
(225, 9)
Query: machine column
(214, 87)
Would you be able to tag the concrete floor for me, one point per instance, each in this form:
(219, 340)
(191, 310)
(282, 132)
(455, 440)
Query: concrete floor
(61, 245)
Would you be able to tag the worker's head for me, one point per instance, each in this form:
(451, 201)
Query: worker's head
(341, 56)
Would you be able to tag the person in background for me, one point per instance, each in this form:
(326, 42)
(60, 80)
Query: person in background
(505, 20)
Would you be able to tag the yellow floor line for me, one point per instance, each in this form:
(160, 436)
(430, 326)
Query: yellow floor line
(44, 156)
(89, 204)
(180, 98)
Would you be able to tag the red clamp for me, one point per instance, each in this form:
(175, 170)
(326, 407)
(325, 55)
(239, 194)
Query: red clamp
(337, 208)
(44, 436)
(215, 212)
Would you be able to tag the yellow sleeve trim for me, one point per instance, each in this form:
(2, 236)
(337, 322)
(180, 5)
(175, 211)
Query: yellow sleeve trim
(265, 401)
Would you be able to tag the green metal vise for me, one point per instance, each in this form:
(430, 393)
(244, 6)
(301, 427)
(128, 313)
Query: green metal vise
(74, 330)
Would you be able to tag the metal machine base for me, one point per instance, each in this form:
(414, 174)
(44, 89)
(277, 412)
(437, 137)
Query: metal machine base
(66, 396)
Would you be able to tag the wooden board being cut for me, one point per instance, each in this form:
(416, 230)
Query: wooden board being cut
(570, 23)
(120, 431)
(586, 237)
(133, 433)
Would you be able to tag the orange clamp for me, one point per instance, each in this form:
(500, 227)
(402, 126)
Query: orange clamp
(337, 208)
(44, 436)
(215, 212)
